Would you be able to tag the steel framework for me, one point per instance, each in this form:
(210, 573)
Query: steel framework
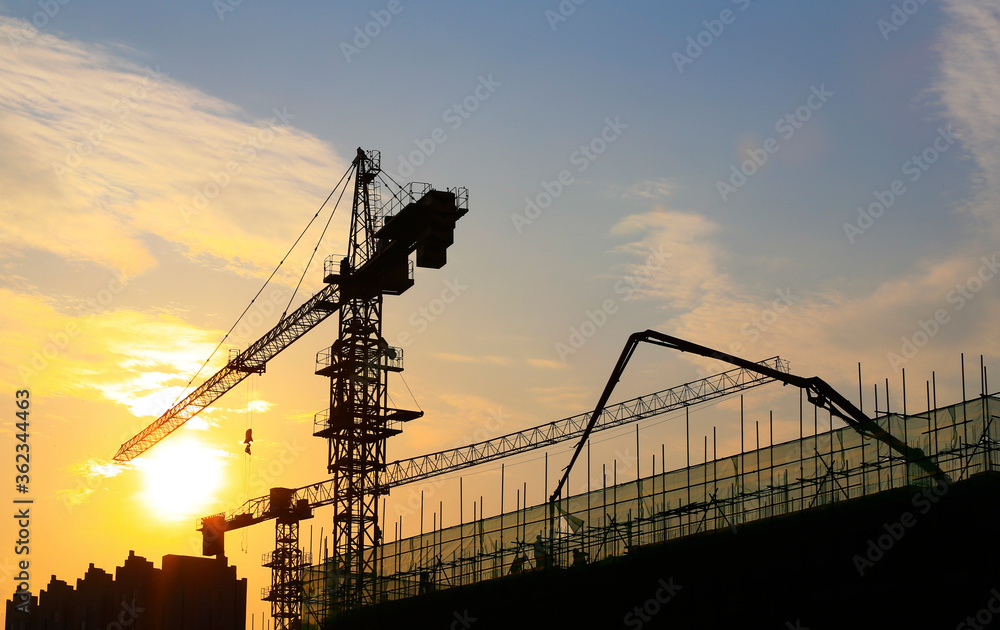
(251, 361)
(417, 468)
(287, 562)
(406, 471)
(357, 427)
(359, 420)
(818, 392)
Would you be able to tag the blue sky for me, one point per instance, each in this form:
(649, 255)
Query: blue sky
(102, 244)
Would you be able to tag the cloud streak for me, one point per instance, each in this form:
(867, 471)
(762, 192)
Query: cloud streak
(97, 151)
(969, 88)
(827, 329)
(823, 331)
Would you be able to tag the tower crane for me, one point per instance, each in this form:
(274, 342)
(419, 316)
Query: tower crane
(382, 238)
(359, 361)
(428, 231)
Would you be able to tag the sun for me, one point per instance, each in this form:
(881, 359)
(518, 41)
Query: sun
(181, 477)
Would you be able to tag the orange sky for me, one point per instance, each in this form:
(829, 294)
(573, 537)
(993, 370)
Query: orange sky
(141, 213)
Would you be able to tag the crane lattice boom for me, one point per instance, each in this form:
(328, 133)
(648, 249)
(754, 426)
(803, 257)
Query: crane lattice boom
(406, 471)
(250, 361)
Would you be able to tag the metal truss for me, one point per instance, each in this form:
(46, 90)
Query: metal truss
(418, 468)
(250, 361)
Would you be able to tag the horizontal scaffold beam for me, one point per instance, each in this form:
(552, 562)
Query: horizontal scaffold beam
(418, 468)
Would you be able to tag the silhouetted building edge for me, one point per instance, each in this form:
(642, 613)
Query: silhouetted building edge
(187, 593)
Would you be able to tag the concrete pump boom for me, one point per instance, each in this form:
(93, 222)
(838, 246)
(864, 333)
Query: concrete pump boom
(818, 392)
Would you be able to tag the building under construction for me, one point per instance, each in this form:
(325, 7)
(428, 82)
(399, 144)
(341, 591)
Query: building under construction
(832, 529)
(790, 533)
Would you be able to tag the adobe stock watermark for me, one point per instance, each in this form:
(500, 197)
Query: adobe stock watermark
(495, 421)
(262, 313)
(597, 318)
(763, 321)
(462, 620)
(39, 20)
(202, 197)
(127, 616)
(563, 11)
(697, 44)
(958, 297)
(246, 331)
(898, 17)
(59, 341)
(97, 135)
(877, 548)
(913, 169)
(454, 116)
(786, 126)
(363, 35)
(263, 477)
(421, 318)
(985, 615)
(581, 158)
(642, 614)
(752, 329)
(222, 7)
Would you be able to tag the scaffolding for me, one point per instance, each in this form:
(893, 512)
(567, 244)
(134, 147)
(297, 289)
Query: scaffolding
(722, 492)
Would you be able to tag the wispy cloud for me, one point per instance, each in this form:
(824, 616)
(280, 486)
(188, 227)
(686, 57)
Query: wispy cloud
(651, 190)
(462, 358)
(542, 364)
(547, 364)
(823, 330)
(97, 468)
(97, 150)
(686, 239)
(969, 88)
(829, 328)
(139, 360)
(572, 398)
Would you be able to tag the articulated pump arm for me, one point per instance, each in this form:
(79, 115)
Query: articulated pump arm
(818, 392)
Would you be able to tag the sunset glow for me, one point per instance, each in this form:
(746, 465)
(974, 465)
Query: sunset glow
(815, 181)
(181, 478)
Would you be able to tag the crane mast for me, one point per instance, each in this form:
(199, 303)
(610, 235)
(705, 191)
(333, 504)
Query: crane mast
(358, 427)
(418, 219)
(359, 420)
